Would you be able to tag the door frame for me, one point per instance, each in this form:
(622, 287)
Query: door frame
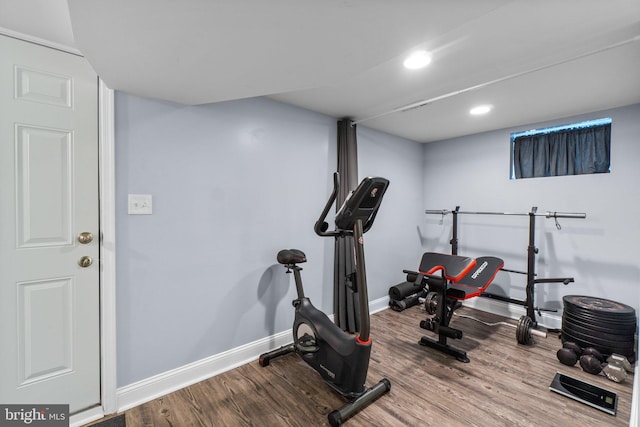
(106, 183)
(107, 262)
(107, 191)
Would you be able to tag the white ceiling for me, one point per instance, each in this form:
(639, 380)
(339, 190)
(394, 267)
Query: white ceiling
(532, 60)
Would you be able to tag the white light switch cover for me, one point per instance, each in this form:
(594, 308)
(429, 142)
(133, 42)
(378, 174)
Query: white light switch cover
(140, 204)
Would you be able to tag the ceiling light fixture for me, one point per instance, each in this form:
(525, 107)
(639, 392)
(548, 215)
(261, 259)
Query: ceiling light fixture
(419, 59)
(480, 109)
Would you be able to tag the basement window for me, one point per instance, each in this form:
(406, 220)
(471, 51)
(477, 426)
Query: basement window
(571, 149)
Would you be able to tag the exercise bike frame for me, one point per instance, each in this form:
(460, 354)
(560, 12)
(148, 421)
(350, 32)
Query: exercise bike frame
(341, 359)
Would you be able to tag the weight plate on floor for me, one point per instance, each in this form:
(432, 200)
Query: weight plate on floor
(591, 341)
(523, 331)
(625, 319)
(589, 317)
(599, 326)
(604, 349)
(589, 320)
(598, 342)
(598, 305)
(598, 336)
(582, 327)
(618, 340)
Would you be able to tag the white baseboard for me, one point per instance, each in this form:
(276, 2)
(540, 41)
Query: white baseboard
(85, 417)
(159, 385)
(378, 305)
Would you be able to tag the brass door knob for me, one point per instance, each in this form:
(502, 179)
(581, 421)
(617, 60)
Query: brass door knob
(85, 237)
(85, 261)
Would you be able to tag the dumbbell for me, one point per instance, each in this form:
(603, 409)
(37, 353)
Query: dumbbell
(592, 361)
(590, 358)
(569, 353)
(617, 367)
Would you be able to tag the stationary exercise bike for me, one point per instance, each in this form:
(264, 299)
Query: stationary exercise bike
(340, 358)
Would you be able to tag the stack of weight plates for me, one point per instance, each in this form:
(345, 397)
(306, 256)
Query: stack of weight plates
(606, 325)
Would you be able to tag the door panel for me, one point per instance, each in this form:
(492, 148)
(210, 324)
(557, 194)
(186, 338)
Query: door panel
(49, 303)
(44, 181)
(44, 329)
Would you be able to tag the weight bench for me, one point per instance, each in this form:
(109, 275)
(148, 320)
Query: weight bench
(460, 278)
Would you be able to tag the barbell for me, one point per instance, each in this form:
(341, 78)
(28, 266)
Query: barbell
(525, 329)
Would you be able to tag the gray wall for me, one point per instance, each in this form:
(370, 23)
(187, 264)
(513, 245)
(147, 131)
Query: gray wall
(600, 252)
(392, 244)
(232, 183)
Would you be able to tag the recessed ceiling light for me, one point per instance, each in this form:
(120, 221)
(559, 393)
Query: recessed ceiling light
(417, 60)
(480, 109)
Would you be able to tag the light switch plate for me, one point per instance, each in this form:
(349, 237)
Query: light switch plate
(140, 204)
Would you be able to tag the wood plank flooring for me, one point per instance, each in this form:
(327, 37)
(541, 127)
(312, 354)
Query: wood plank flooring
(505, 384)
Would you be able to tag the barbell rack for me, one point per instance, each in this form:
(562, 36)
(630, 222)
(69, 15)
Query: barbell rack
(532, 250)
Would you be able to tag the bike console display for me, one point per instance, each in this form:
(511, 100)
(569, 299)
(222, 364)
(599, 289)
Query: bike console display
(362, 204)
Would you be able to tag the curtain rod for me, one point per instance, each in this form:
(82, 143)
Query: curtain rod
(428, 101)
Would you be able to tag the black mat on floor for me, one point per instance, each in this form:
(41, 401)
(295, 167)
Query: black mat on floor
(118, 421)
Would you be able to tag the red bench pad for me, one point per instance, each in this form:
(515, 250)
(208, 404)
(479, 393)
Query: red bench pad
(455, 267)
(477, 280)
(469, 278)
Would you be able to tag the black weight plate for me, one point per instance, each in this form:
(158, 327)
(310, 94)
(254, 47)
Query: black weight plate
(595, 336)
(598, 305)
(523, 332)
(599, 341)
(598, 326)
(578, 327)
(582, 314)
(599, 323)
(598, 335)
(596, 329)
(601, 316)
(604, 349)
(604, 328)
(590, 318)
(596, 342)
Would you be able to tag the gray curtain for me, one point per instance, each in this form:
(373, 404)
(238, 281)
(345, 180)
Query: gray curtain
(567, 152)
(345, 297)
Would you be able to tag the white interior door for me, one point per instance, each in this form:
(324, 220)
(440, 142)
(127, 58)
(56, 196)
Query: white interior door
(49, 303)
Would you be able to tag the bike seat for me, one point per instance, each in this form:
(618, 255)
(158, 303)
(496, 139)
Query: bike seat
(291, 256)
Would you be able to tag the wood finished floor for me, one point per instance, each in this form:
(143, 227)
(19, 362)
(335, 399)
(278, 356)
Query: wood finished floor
(505, 384)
